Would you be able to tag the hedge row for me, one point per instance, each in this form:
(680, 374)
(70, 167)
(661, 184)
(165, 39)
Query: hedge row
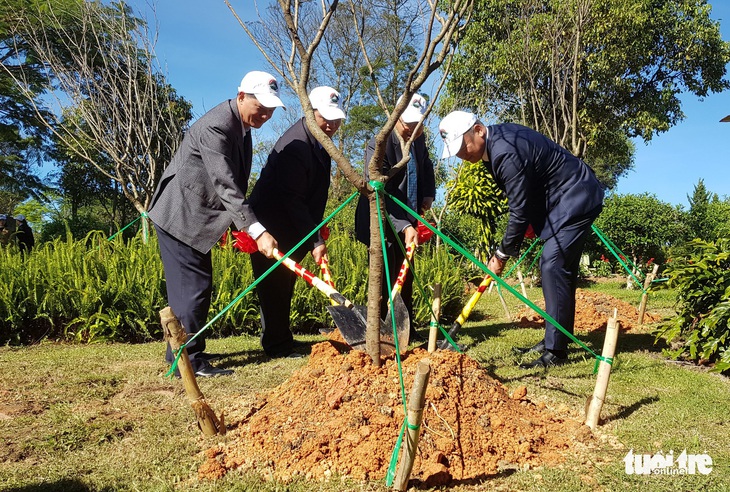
(93, 290)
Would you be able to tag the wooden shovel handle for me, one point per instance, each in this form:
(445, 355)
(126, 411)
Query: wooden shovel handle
(313, 280)
(400, 280)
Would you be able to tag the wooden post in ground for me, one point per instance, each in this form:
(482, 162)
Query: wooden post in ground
(595, 402)
(176, 336)
(522, 283)
(413, 429)
(435, 314)
(504, 304)
(645, 296)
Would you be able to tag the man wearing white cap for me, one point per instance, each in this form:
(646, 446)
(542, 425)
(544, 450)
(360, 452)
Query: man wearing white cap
(413, 185)
(546, 187)
(200, 195)
(289, 200)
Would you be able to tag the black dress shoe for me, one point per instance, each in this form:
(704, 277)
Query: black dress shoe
(547, 359)
(538, 347)
(208, 371)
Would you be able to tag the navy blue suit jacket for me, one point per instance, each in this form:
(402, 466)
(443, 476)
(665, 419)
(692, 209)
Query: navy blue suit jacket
(546, 185)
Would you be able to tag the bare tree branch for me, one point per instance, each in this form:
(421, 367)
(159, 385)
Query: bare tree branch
(112, 107)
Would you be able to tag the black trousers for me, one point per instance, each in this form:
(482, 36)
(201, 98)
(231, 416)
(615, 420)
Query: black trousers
(189, 282)
(275, 294)
(559, 267)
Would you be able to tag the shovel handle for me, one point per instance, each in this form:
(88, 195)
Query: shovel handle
(324, 267)
(400, 280)
(313, 280)
(466, 311)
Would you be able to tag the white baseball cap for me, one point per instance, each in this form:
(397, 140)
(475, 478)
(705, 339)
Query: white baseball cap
(20, 217)
(415, 110)
(327, 101)
(452, 129)
(264, 86)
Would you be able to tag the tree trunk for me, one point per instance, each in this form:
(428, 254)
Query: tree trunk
(372, 337)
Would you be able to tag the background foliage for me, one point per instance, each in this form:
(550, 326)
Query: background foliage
(565, 68)
(94, 290)
(702, 279)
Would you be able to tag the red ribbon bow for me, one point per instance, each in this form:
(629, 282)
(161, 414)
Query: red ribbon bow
(244, 242)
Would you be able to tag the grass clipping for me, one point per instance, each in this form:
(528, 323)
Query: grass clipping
(340, 415)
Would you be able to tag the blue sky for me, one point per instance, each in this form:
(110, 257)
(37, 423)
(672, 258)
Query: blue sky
(206, 52)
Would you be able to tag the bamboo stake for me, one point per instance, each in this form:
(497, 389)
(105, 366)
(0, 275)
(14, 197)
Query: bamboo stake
(435, 314)
(595, 402)
(645, 296)
(504, 304)
(415, 414)
(522, 283)
(175, 334)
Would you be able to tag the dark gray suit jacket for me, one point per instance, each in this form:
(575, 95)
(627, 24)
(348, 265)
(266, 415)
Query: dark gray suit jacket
(203, 190)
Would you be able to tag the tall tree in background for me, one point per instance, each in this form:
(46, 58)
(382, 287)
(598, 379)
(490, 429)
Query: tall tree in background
(698, 216)
(292, 56)
(590, 74)
(113, 107)
(23, 136)
(708, 217)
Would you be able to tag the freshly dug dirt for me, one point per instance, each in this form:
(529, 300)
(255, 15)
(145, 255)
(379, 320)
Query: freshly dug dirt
(592, 310)
(341, 415)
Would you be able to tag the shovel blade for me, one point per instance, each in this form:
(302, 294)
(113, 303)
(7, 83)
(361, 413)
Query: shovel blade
(352, 324)
(399, 310)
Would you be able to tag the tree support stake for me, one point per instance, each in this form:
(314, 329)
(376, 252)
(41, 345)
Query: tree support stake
(413, 424)
(595, 402)
(208, 423)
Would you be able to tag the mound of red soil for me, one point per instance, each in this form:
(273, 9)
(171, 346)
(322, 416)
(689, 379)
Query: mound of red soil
(341, 415)
(592, 310)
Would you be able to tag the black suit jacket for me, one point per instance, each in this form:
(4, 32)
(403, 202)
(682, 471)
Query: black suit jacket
(203, 190)
(546, 185)
(290, 197)
(397, 185)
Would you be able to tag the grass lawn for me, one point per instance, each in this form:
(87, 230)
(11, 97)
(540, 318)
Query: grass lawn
(103, 418)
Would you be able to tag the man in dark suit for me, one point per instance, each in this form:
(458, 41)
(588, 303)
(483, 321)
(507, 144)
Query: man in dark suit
(200, 195)
(289, 200)
(418, 193)
(26, 240)
(546, 187)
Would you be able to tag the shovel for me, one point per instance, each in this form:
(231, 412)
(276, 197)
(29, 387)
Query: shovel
(398, 308)
(348, 318)
(386, 331)
(466, 311)
(324, 266)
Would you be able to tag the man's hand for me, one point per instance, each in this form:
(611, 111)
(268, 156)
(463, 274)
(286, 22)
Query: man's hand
(496, 265)
(319, 252)
(411, 235)
(266, 244)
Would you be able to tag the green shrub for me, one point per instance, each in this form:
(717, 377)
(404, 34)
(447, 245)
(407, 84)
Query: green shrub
(702, 280)
(94, 290)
